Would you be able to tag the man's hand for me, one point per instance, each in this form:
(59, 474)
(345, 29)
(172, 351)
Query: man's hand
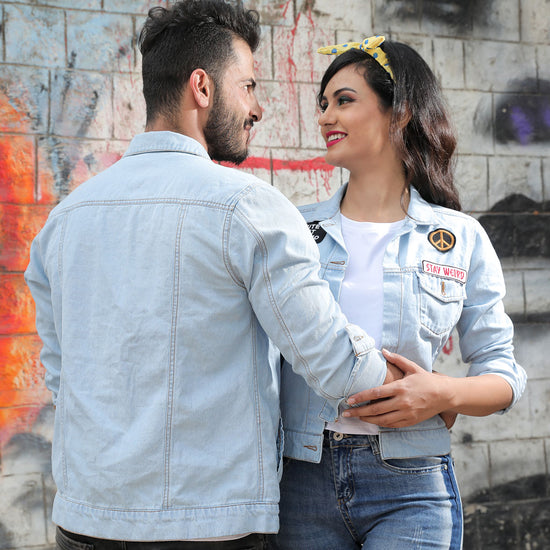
(406, 401)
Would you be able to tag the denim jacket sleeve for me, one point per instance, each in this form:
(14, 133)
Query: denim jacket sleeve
(39, 284)
(272, 254)
(485, 330)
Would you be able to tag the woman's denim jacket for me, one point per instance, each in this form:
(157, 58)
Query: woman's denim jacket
(158, 284)
(439, 272)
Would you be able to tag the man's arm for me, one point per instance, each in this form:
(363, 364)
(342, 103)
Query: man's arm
(39, 285)
(272, 254)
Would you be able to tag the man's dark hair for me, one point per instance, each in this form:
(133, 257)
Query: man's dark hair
(191, 34)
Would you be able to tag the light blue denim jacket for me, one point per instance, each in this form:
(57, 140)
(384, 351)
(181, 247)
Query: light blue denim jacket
(158, 286)
(427, 292)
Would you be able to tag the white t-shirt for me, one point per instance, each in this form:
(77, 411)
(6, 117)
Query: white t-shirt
(361, 295)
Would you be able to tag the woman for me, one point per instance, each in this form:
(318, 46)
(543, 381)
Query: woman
(408, 267)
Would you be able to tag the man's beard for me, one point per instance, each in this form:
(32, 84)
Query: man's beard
(223, 133)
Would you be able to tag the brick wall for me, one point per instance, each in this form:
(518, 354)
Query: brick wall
(70, 100)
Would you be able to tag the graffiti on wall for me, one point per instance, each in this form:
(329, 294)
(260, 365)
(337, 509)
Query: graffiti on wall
(524, 118)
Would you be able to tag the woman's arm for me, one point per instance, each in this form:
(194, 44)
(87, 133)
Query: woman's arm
(419, 395)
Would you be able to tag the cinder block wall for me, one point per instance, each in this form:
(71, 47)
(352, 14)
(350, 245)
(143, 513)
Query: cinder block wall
(70, 100)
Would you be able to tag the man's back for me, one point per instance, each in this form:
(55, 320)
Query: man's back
(165, 384)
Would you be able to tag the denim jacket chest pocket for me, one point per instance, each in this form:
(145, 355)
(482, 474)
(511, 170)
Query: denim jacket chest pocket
(440, 302)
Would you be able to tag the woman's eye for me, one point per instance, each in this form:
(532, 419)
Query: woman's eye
(323, 107)
(343, 99)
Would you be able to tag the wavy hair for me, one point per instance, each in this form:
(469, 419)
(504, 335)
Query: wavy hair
(420, 127)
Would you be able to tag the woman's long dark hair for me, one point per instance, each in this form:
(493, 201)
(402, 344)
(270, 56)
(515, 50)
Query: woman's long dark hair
(420, 128)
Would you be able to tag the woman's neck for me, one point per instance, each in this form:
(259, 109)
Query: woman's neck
(381, 197)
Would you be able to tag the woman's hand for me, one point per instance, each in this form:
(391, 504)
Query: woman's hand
(419, 395)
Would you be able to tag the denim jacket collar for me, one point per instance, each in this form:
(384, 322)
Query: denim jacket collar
(172, 142)
(419, 212)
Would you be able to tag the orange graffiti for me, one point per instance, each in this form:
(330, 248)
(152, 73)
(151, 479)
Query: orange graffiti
(22, 390)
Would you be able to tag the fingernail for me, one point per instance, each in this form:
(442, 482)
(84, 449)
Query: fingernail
(346, 413)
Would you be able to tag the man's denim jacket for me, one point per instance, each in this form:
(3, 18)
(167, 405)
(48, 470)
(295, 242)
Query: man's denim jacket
(439, 272)
(158, 286)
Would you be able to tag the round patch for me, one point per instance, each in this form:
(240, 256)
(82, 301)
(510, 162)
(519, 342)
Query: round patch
(442, 239)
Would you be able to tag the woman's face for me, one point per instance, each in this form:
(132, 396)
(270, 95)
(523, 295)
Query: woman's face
(355, 129)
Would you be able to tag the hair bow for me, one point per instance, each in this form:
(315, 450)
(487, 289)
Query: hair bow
(370, 45)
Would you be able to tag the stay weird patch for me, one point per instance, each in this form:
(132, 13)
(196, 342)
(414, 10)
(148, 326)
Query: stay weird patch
(317, 232)
(442, 239)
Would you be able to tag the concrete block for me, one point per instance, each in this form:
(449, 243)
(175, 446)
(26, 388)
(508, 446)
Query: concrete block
(546, 178)
(304, 177)
(64, 164)
(531, 342)
(472, 467)
(310, 132)
(295, 54)
(449, 62)
(279, 126)
(22, 375)
(82, 4)
(514, 175)
(537, 292)
(20, 224)
(448, 18)
(23, 99)
(16, 305)
(26, 453)
(81, 104)
(273, 13)
(22, 511)
(514, 424)
(422, 44)
(543, 59)
(512, 460)
(263, 56)
(471, 113)
(396, 15)
(354, 17)
(496, 20)
(138, 7)
(43, 30)
(534, 26)
(129, 106)
(100, 41)
(18, 161)
(49, 495)
(539, 401)
(514, 301)
(471, 179)
(496, 66)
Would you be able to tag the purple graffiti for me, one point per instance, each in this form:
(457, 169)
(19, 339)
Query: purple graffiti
(522, 125)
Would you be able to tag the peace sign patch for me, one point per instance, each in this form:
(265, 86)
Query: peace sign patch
(442, 239)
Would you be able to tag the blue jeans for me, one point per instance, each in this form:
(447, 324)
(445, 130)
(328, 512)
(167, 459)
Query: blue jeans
(355, 499)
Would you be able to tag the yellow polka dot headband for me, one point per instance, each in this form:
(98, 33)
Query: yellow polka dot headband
(370, 45)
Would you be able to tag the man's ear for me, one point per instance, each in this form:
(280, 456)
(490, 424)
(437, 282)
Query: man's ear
(201, 87)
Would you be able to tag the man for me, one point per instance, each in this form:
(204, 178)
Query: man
(158, 285)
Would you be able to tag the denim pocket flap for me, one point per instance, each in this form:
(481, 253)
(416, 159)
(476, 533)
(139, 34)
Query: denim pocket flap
(445, 290)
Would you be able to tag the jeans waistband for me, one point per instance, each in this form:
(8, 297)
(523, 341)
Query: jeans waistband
(335, 439)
